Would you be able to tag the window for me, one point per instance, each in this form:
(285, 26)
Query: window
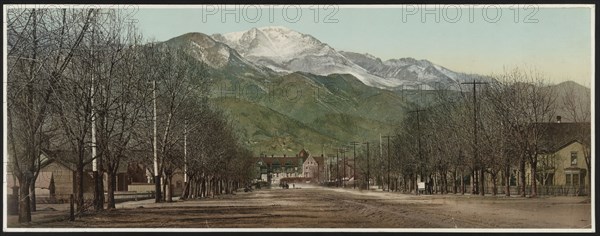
(573, 158)
(575, 179)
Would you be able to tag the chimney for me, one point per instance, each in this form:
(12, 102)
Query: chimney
(558, 119)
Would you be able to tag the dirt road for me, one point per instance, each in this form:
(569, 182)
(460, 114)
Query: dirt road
(344, 208)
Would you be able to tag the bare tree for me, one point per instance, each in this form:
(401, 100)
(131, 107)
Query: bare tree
(179, 78)
(41, 45)
(121, 95)
(576, 104)
(523, 101)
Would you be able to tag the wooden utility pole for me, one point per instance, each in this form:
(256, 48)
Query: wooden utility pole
(344, 166)
(154, 145)
(418, 111)
(389, 162)
(353, 143)
(98, 202)
(368, 167)
(379, 172)
(479, 183)
(337, 168)
(71, 208)
(185, 177)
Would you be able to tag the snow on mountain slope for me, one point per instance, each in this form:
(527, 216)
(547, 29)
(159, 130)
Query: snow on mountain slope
(408, 71)
(215, 54)
(286, 50)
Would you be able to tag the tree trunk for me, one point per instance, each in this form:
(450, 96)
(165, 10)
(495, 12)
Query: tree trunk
(533, 180)
(203, 189)
(164, 189)
(191, 193)
(522, 177)
(444, 183)
(589, 175)
(435, 186)
(212, 187)
(112, 184)
(168, 189)
(454, 185)
(24, 201)
(79, 185)
(98, 192)
(227, 184)
(157, 189)
(221, 186)
(185, 191)
(194, 188)
(416, 185)
(494, 185)
(481, 182)
(32, 194)
(462, 182)
(404, 183)
(410, 184)
(199, 193)
(100, 185)
(473, 182)
(507, 181)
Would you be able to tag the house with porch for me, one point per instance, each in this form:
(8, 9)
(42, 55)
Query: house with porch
(562, 167)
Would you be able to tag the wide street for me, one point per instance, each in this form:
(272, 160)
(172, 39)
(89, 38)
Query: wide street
(317, 207)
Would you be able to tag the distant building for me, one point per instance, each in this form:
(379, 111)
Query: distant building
(561, 164)
(62, 174)
(273, 168)
(314, 168)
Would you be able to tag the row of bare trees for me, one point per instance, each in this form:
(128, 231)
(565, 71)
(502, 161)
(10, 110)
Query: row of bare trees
(84, 90)
(458, 137)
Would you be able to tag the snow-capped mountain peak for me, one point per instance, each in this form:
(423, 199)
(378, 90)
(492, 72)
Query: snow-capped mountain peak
(275, 42)
(285, 50)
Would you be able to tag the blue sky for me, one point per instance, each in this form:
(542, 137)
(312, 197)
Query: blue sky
(555, 41)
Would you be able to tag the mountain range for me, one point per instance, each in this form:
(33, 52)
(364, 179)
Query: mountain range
(285, 50)
(287, 90)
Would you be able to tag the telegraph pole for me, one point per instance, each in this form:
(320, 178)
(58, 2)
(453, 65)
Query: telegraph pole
(185, 177)
(330, 156)
(354, 165)
(479, 183)
(368, 167)
(98, 201)
(417, 111)
(388, 156)
(337, 168)
(154, 144)
(379, 175)
(344, 166)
